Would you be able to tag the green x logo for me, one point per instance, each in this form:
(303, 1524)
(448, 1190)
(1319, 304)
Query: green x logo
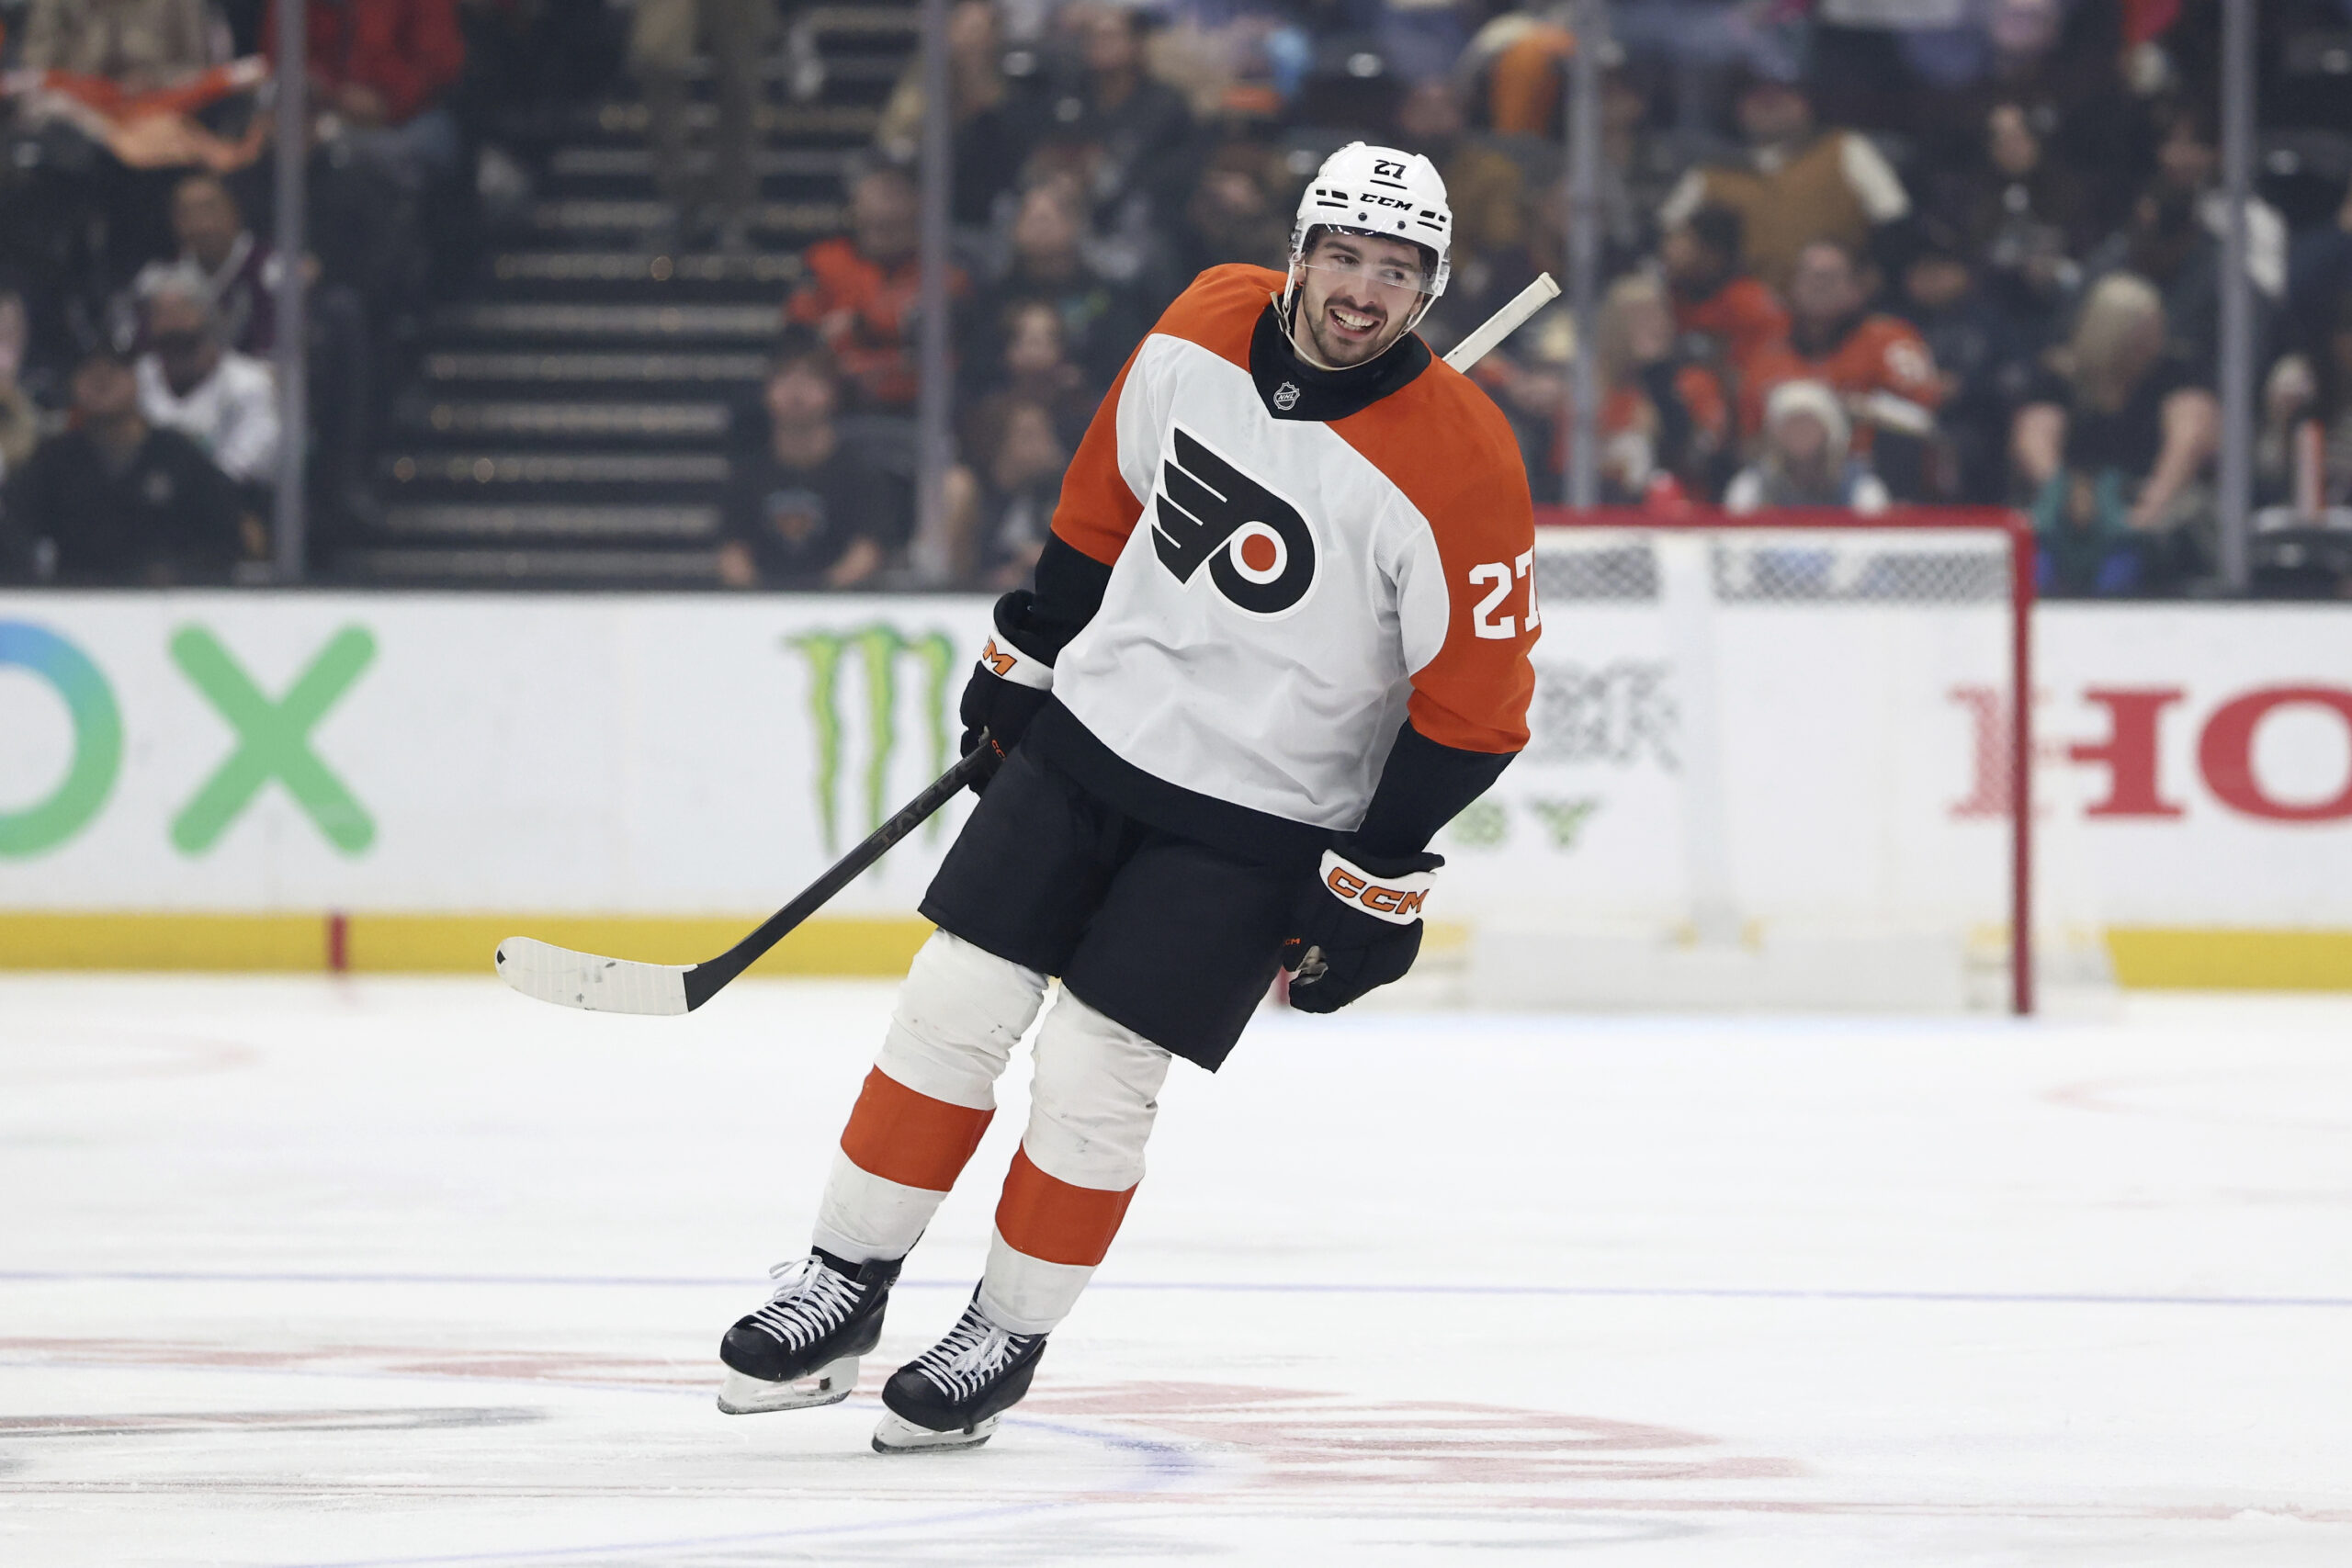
(273, 741)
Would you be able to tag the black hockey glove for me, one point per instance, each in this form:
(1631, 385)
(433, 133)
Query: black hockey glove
(1360, 926)
(1007, 689)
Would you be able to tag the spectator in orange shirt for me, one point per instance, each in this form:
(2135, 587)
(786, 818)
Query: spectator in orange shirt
(863, 293)
(1730, 320)
(1879, 366)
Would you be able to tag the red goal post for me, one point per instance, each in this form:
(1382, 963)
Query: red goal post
(1923, 558)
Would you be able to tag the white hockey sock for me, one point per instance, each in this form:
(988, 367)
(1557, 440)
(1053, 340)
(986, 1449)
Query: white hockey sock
(864, 1217)
(1092, 1103)
(930, 1097)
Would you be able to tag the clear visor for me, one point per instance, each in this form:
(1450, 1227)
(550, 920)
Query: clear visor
(1386, 276)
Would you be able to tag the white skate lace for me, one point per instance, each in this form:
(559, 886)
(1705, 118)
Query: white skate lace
(810, 1301)
(971, 1356)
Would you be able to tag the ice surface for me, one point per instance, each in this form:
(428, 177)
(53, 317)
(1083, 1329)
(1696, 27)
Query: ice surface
(307, 1272)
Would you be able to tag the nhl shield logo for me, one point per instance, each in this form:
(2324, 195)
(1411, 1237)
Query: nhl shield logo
(1287, 395)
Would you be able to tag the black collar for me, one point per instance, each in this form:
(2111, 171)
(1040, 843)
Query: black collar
(1292, 389)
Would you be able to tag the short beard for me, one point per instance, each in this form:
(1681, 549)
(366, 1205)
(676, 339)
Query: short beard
(1323, 349)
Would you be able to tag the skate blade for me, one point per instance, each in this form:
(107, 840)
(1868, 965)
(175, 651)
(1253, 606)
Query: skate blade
(896, 1434)
(828, 1384)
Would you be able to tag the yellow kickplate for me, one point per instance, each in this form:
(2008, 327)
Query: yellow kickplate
(2195, 959)
(432, 943)
(2145, 957)
(78, 940)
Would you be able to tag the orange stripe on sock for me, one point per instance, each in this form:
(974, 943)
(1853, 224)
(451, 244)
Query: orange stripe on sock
(910, 1138)
(1046, 1218)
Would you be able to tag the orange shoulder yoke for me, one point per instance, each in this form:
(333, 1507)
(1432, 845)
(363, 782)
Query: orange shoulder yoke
(1098, 512)
(1444, 444)
(1221, 308)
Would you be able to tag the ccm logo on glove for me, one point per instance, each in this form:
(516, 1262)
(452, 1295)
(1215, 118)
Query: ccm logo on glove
(1395, 899)
(1359, 928)
(1007, 664)
(1007, 689)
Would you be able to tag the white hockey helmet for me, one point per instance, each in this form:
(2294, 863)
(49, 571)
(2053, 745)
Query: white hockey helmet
(1383, 192)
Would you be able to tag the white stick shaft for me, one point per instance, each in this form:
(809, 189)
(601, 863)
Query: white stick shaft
(1504, 323)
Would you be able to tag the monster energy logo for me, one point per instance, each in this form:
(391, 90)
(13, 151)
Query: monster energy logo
(877, 650)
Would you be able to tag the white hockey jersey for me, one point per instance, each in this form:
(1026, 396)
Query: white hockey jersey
(1296, 588)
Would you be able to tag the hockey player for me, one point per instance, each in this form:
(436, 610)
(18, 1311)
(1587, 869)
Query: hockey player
(1279, 637)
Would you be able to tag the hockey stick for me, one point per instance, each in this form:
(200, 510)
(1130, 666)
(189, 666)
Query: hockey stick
(1504, 323)
(552, 973)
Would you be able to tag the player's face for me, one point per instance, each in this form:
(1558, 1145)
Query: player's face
(1355, 296)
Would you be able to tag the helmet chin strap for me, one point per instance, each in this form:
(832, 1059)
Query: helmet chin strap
(1289, 312)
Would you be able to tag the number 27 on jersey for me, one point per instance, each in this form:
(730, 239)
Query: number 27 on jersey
(1503, 576)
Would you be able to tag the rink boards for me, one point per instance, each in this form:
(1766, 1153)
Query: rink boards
(286, 780)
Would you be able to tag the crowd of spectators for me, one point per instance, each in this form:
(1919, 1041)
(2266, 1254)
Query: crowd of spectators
(136, 187)
(1861, 256)
(1857, 252)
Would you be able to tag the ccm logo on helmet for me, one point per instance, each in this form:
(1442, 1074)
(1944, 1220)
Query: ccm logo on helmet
(1257, 549)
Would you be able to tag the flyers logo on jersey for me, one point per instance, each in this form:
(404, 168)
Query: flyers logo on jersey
(1259, 549)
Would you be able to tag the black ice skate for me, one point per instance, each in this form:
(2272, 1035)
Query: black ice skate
(950, 1396)
(802, 1348)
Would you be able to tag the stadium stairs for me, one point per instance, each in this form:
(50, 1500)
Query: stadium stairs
(570, 423)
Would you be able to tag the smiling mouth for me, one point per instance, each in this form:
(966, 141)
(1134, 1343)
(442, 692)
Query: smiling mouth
(1353, 323)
